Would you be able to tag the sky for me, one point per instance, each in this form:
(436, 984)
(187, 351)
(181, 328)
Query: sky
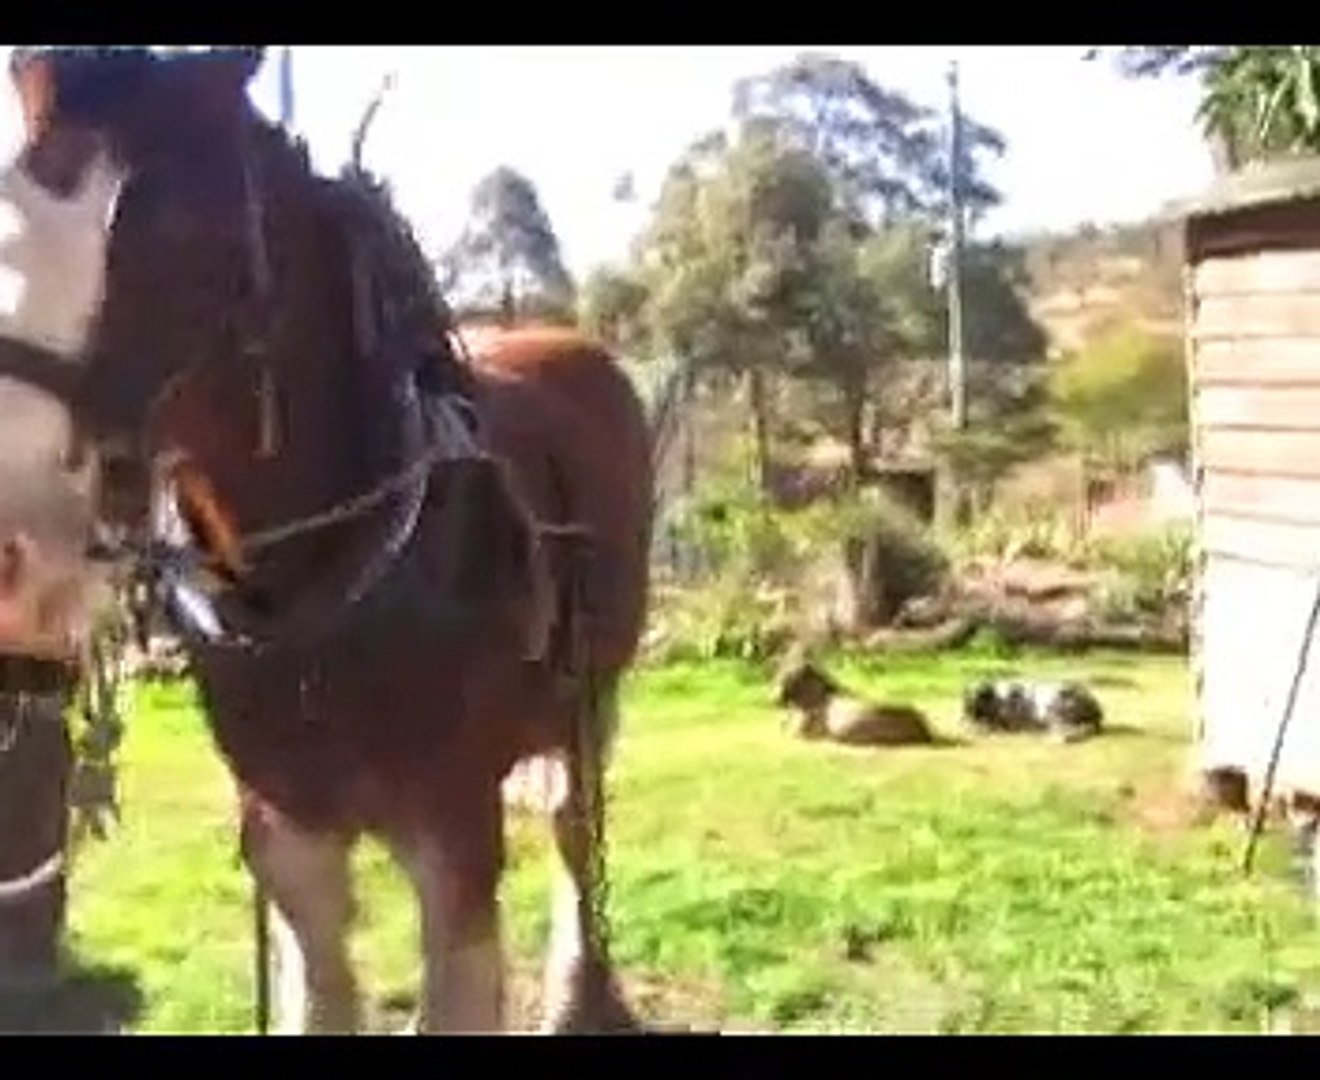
(1083, 144)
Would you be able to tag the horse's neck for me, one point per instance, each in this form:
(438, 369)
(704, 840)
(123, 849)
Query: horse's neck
(361, 324)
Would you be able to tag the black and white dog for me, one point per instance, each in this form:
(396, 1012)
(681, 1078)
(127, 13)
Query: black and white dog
(1066, 710)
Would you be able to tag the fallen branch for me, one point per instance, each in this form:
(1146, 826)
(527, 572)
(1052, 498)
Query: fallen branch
(1027, 629)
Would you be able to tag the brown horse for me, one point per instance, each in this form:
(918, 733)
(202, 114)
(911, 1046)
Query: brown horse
(399, 570)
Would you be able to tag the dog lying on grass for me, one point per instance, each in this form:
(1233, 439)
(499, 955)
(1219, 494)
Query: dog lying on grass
(1066, 710)
(822, 709)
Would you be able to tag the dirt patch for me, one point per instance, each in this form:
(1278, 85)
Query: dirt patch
(664, 1005)
(1164, 809)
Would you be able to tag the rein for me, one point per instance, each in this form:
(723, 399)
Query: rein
(171, 565)
(257, 335)
(355, 506)
(42, 368)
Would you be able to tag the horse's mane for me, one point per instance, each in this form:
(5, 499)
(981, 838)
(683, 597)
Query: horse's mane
(383, 242)
(409, 329)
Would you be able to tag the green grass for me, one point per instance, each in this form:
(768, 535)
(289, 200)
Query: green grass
(1004, 885)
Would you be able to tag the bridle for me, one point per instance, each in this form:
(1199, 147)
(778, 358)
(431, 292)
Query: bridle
(437, 429)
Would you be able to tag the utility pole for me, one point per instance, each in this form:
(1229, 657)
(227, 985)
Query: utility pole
(286, 86)
(957, 360)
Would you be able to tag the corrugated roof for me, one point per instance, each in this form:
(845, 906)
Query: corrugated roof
(1257, 184)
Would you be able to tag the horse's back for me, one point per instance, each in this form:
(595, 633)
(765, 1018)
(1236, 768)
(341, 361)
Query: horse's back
(564, 413)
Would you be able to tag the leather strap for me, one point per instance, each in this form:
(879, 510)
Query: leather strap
(42, 368)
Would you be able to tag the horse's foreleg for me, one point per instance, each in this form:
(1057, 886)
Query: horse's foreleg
(457, 870)
(306, 877)
(581, 994)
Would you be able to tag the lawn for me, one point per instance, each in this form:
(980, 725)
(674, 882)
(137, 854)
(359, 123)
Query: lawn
(1004, 885)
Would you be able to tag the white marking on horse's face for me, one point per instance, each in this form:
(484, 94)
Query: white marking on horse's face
(47, 507)
(53, 254)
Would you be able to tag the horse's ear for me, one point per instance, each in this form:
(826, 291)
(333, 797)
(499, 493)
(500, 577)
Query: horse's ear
(221, 76)
(242, 61)
(33, 75)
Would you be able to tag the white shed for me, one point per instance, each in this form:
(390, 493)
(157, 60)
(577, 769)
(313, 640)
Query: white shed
(1253, 319)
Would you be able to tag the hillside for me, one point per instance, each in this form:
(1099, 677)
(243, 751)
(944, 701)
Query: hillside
(1077, 280)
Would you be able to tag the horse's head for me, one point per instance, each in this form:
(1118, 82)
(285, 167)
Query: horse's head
(124, 215)
(803, 685)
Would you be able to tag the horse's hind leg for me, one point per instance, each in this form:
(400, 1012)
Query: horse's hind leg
(306, 877)
(581, 994)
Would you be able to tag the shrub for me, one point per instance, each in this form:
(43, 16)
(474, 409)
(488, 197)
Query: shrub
(727, 619)
(1027, 533)
(892, 552)
(1153, 569)
(760, 560)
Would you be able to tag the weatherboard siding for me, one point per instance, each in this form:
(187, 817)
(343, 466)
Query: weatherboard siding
(1252, 630)
(1254, 368)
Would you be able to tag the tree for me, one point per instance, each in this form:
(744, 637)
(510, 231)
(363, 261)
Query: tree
(1147, 61)
(507, 259)
(870, 305)
(612, 306)
(1122, 397)
(755, 265)
(1259, 102)
(793, 247)
(726, 261)
(1009, 423)
(886, 154)
(998, 327)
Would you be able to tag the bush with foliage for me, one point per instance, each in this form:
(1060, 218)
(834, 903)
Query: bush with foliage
(1142, 574)
(759, 559)
(1151, 571)
(1122, 397)
(1029, 531)
(897, 555)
